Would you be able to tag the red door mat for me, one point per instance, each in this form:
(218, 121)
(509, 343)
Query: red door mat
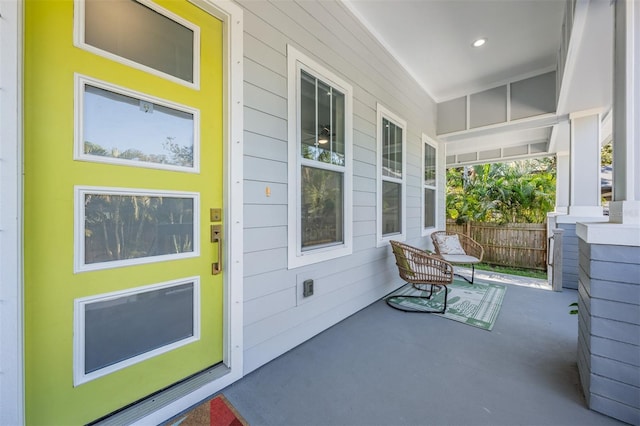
(214, 412)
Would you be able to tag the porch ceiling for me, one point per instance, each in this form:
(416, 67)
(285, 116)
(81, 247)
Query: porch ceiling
(432, 41)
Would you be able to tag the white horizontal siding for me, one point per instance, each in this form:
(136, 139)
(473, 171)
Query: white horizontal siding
(262, 146)
(257, 215)
(264, 100)
(277, 317)
(266, 170)
(261, 76)
(255, 192)
(259, 286)
(266, 238)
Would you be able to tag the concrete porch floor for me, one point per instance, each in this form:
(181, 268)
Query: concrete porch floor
(386, 367)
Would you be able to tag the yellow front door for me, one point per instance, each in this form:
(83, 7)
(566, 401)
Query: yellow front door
(123, 166)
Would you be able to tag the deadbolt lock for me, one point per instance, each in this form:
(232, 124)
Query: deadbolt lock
(215, 215)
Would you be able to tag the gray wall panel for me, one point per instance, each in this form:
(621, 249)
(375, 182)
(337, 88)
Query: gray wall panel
(452, 115)
(616, 330)
(258, 309)
(258, 239)
(615, 310)
(265, 124)
(623, 352)
(569, 256)
(256, 215)
(258, 286)
(328, 33)
(615, 390)
(263, 54)
(623, 412)
(609, 330)
(365, 227)
(488, 107)
(364, 198)
(619, 292)
(263, 100)
(261, 76)
(619, 253)
(262, 146)
(533, 96)
(365, 184)
(259, 262)
(255, 192)
(616, 370)
(260, 169)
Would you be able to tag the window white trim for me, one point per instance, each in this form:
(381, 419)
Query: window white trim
(79, 226)
(78, 41)
(79, 375)
(78, 153)
(382, 240)
(426, 140)
(296, 62)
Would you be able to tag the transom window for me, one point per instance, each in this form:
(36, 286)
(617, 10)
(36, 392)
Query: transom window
(320, 181)
(391, 176)
(429, 183)
(140, 34)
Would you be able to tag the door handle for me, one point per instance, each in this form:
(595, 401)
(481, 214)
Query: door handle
(216, 237)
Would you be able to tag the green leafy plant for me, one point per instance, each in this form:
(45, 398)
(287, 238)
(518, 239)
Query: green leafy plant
(574, 311)
(521, 191)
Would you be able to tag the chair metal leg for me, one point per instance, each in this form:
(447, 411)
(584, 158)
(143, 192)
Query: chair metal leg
(430, 290)
(473, 273)
(446, 296)
(390, 302)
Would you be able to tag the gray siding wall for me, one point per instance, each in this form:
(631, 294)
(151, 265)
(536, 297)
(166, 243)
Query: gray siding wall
(609, 329)
(569, 256)
(276, 317)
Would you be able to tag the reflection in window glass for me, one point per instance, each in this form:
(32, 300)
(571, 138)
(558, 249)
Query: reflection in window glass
(429, 185)
(133, 130)
(429, 165)
(322, 207)
(120, 227)
(122, 328)
(322, 121)
(391, 149)
(134, 31)
(429, 208)
(391, 208)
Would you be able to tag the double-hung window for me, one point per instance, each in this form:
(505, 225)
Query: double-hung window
(429, 184)
(320, 132)
(392, 176)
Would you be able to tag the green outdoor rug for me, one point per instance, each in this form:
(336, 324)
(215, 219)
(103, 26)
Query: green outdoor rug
(477, 305)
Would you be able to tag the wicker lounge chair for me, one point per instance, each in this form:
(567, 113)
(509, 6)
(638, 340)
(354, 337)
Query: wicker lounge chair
(422, 271)
(458, 249)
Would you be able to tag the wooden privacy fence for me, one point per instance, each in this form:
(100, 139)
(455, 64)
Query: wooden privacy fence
(520, 245)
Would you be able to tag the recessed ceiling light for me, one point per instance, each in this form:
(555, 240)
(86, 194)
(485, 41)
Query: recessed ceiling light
(479, 42)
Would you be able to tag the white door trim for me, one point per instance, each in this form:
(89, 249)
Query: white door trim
(11, 295)
(11, 211)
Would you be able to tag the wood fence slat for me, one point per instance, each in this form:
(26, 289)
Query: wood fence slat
(521, 245)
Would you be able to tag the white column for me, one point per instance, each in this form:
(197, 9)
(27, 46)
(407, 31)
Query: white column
(584, 187)
(625, 207)
(563, 170)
